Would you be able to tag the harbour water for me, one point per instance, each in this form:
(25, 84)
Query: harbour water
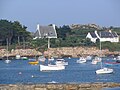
(20, 71)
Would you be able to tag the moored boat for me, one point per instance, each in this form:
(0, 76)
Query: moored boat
(61, 62)
(50, 67)
(51, 59)
(24, 58)
(34, 62)
(7, 61)
(104, 71)
(17, 56)
(118, 59)
(96, 60)
(81, 60)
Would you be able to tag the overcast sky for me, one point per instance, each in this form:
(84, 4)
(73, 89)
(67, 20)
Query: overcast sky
(61, 12)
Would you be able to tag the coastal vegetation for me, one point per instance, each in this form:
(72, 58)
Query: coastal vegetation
(68, 36)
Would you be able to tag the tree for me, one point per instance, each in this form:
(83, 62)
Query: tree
(14, 31)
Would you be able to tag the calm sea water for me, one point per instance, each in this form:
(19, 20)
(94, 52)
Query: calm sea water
(19, 71)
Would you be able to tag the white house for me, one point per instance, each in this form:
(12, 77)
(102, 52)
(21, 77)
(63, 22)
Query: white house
(45, 32)
(103, 36)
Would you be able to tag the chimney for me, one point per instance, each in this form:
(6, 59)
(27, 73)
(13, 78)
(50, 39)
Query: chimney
(53, 26)
(38, 27)
(95, 31)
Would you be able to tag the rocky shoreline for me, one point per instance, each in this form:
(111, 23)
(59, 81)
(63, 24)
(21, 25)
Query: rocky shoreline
(57, 86)
(58, 52)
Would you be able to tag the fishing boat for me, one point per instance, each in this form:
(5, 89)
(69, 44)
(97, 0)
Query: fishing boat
(50, 67)
(103, 70)
(7, 61)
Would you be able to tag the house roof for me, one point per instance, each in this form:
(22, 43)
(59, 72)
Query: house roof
(115, 34)
(105, 34)
(36, 34)
(93, 34)
(45, 32)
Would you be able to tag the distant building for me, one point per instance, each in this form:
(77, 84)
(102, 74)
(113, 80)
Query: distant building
(45, 32)
(103, 36)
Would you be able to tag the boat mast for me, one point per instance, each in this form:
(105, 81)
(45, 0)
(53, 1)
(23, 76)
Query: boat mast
(7, 47)
(100, 51)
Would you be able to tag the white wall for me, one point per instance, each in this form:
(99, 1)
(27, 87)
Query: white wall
(116, 39)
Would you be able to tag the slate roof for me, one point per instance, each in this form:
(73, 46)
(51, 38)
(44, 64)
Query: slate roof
(45, 32)
(115, 34)
(105, 34)
(36, 34)
(93, 34)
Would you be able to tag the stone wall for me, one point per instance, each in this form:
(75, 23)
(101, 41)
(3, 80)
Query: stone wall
(21, 52)
(58, 52)
(87, 86)
(75, 51)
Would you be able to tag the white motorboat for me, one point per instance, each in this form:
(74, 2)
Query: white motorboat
(104, 71)
(50, 67)
(88, 57)
(96, 60)
(81, 60)
(69, 57)
(18, 56)
(61, 62)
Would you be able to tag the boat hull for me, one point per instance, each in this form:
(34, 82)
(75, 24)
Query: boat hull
(51, 67)
(104, 71)
(34, 62)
